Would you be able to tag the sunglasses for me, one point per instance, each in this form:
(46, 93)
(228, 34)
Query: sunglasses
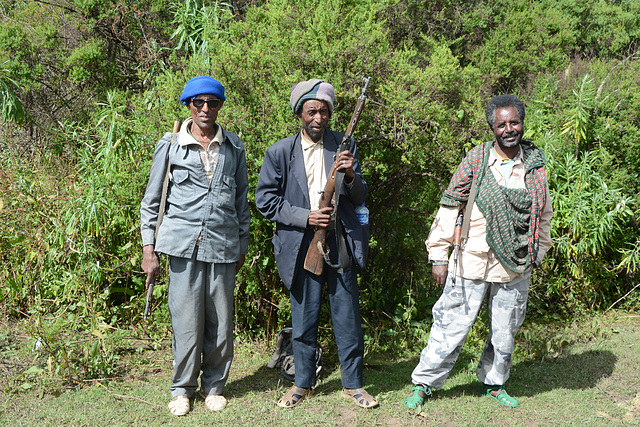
(211, 103)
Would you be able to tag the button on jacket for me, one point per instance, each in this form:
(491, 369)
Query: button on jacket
(217, 211)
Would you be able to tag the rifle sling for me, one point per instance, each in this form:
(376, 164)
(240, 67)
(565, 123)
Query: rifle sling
(343, 256)
(467, 213)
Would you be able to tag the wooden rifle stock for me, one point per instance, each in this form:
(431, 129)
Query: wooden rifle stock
(314, 260)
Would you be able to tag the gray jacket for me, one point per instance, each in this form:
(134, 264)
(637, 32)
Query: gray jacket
(216, 211)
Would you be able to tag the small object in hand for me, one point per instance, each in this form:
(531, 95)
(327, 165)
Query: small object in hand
(149, 298)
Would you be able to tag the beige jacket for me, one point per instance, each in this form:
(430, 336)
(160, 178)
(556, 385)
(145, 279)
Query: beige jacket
(476, 259)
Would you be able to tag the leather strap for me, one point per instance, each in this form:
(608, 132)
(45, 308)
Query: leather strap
(470, 201)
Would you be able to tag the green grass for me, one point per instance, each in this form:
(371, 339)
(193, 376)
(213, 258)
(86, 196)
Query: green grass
(594, 382)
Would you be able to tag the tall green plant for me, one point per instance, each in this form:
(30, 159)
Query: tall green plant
(94, 238)
(10, 105)
(630, 261)
(589, 220)
(580, 113)
(193, 19)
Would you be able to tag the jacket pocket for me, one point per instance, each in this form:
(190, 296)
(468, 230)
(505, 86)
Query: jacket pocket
(181, 185)
(228, 191)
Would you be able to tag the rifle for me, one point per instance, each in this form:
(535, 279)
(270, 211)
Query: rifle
(163, 203)
(461, 230)
(457, 234)
(315, 259)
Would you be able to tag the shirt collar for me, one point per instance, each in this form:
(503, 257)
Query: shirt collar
(308, 144)
(187, 138)
(494, 157)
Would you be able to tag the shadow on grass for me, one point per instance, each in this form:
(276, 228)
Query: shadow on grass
(570, 371)
(574, 372)
(266, 379)
(263, 379)
(384, 375)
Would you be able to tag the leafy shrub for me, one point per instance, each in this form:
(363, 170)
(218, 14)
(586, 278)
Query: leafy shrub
(75, 172)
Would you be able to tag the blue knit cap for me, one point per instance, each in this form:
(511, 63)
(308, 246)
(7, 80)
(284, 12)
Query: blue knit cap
(201, 85)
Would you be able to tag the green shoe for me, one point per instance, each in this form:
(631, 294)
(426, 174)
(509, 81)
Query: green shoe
(416, 400)
(502, 396)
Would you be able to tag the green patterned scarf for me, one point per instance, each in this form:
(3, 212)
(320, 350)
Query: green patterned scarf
(513, 215)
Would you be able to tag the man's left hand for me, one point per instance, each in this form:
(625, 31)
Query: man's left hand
(240, 263)
(345, 164)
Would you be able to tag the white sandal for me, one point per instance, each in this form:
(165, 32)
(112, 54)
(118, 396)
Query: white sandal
(179, 405)
(214, 402)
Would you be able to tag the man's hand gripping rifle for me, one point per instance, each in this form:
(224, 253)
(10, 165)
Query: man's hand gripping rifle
(315, 259)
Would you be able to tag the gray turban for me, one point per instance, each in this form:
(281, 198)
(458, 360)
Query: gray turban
(312, 89)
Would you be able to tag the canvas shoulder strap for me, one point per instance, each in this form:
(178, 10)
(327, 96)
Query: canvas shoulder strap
(165, 183)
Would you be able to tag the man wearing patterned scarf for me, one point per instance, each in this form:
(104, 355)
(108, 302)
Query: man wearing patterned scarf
(293, 174)
(205, 233)
(508, 234)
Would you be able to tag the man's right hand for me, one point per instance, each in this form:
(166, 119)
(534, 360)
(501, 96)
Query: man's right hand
(150, 264)
(440, 274)
(320, 217)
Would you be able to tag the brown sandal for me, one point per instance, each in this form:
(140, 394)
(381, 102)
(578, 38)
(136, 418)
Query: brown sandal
(360, 397)
(294, 396)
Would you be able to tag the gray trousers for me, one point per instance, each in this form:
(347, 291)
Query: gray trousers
(453, 316)
(201, 309)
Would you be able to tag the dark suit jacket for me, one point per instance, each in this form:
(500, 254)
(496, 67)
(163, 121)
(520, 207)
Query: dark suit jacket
(282, 195)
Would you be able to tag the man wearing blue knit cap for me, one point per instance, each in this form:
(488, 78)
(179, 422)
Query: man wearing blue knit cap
(293, 175)
(205, 233)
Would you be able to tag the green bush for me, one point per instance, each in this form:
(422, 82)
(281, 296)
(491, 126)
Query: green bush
(95, 106)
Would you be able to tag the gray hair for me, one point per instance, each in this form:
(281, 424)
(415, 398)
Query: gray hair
(503, 101)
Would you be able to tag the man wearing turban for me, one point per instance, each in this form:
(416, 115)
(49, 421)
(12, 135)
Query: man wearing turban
(293, 175)
(205, 233)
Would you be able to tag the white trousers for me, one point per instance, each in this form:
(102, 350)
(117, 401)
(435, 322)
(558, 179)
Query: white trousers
(455, 313)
